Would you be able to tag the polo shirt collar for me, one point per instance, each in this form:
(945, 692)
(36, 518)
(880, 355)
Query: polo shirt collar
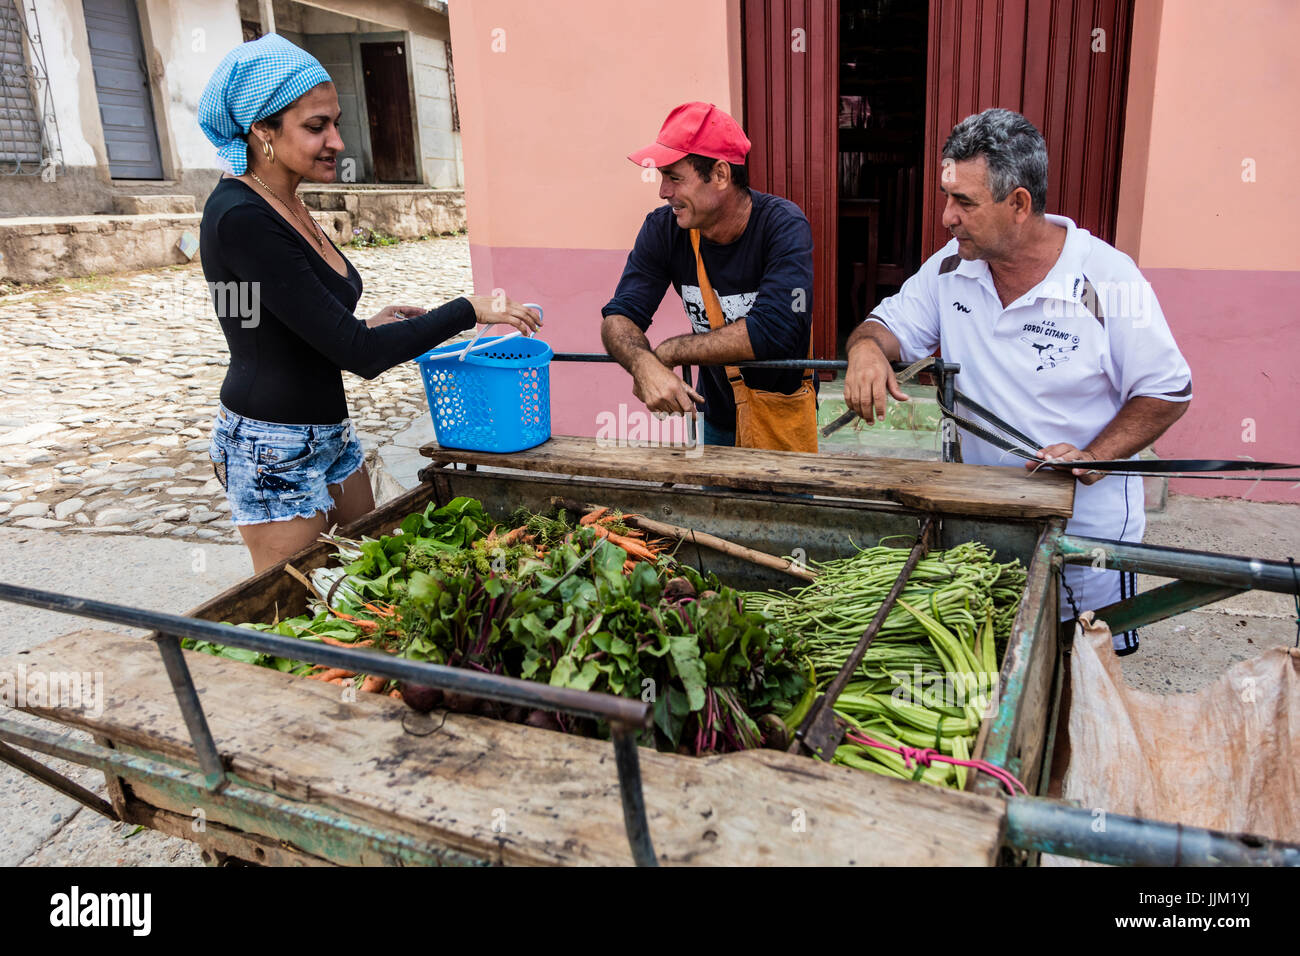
(1065, 279)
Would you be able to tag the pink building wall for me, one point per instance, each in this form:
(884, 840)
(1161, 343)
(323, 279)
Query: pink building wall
(553, 96)
(1212, 85)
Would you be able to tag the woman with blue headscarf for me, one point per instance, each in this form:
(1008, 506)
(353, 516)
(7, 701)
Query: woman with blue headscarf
(283, 446)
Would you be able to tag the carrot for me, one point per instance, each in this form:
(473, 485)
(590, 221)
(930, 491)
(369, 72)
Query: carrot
(332, 674)
(634, 548)
(513, 537)
(337, 643)
(395, 694)
(373, 684)
(381, 611)
(340, 681)
(591, 517)
(358, 621)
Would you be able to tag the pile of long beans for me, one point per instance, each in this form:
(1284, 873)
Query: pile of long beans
(927, 678)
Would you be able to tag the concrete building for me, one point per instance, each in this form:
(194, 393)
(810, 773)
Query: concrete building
(98, 119)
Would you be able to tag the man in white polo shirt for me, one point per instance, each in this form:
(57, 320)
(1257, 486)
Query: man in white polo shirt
(1056, 331)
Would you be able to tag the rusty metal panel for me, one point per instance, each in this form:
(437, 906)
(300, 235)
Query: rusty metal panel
(791, 70)
(1064, 65)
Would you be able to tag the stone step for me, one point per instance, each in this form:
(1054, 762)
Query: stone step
(156, 204)
(403, 212)
(38, 248)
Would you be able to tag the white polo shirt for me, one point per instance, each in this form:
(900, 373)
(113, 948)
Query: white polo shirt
(1058, 363)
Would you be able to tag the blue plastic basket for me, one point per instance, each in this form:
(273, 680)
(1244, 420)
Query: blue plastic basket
(498, 399)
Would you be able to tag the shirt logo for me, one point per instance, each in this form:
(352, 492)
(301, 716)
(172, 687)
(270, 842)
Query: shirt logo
(961, 308)
(733, 306)
(1052, 345)
(1051, 354)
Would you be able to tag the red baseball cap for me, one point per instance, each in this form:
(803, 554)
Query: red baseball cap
(699, 128)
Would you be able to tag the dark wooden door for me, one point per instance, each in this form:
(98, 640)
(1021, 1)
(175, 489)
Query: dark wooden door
(122, 87)
(1063, 64)
(791, 55)
(388, 103)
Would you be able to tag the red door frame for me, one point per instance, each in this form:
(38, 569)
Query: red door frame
(791, 80)
(1040, 59)
(1033, 56)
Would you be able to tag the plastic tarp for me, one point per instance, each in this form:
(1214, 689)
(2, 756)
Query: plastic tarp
(1226, 757)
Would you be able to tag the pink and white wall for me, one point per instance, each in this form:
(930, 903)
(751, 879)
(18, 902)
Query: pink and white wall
(1209, 172)
(553, 96)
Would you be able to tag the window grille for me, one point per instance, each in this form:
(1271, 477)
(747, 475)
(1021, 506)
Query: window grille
(29, 132)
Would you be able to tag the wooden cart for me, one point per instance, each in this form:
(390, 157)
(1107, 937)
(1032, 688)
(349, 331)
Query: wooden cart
(305, 778)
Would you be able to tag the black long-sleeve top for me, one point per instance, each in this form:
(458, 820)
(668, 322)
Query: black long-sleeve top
(287, 315)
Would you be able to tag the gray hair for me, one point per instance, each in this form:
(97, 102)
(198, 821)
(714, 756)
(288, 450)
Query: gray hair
(1013, 148)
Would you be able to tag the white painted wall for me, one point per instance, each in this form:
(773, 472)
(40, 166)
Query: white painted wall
(63, 38)
(439, 150)
(183, 44)
(188, 40)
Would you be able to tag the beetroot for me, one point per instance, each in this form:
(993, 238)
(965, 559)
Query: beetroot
(543, 719)
(678, 589)
(460, 703)
(421, 698)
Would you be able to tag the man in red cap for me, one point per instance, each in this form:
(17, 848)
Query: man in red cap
(741, 260)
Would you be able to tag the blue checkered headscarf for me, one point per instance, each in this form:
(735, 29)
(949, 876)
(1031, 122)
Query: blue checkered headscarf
(253, 81)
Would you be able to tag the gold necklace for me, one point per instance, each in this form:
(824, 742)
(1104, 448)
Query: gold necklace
(318, 233)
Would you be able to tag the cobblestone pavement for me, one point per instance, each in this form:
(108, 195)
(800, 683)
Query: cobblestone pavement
(108, 392)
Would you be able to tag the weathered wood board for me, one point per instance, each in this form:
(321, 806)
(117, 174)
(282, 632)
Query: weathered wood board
(553, 797)
(924, 485)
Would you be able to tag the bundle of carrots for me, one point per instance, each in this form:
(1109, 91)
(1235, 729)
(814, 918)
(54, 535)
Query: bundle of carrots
(631, 540)
(608, 524)
(370, 683)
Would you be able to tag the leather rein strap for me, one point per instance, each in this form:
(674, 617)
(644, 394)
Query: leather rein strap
(1027, 448)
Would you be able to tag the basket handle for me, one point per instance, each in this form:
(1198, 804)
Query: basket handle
(460, 356)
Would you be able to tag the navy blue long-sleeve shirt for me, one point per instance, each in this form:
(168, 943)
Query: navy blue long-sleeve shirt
(764, 276)
(287, 315)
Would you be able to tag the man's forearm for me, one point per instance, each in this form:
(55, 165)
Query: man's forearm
(718, 347)
(1135, 426)
(624, 341)
(877, 333)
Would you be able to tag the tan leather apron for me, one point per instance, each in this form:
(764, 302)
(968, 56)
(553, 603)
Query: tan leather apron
(770, 420)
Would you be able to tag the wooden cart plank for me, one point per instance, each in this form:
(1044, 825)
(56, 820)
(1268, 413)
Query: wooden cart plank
(511, 793)
(924, 485)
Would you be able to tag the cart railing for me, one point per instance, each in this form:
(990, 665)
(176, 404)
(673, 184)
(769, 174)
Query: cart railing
(627, 718)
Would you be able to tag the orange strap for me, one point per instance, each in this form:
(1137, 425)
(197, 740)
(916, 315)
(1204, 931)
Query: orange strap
(713, 309)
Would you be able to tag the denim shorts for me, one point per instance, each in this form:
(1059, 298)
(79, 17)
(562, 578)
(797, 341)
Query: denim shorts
(274, 472)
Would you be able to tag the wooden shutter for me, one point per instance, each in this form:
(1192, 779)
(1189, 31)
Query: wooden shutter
(791, 112)
(1036, 57)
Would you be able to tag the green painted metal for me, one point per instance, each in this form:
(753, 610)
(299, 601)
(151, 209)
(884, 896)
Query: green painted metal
(1030, 625)
(1052, 826)
(1162, 602)
(1203, 566)
(319, 832)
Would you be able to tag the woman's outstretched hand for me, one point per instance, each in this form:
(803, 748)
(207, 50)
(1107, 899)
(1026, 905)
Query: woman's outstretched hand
(395, 313)
(490, 310)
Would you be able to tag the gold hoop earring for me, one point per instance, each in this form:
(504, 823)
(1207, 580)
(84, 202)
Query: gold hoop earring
(268, 151)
